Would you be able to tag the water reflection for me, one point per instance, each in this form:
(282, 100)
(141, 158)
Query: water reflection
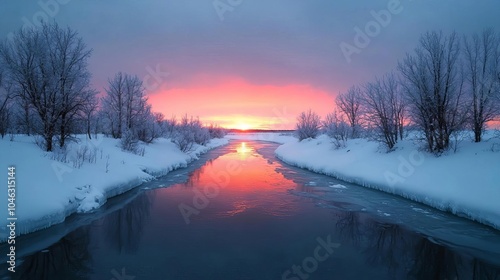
(265, 218)
(122, 230)
(407, 255)
(243, 151)
(67, 259)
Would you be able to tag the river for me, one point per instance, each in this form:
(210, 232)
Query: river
(239, 213)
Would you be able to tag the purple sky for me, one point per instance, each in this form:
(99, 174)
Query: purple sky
(264, 42)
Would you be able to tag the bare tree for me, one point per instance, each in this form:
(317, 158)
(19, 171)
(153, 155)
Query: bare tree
(68, 58)
(350, 104)
(189, 131)
(127, 109)
(89, 112)
(337, 129)
(114, 103)
(482, 60)
(25, 115)
(48, 68)
(385, 109)
(434, 87)
(5, 112)
(308, 125)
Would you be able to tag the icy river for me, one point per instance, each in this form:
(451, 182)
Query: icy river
(239, 213)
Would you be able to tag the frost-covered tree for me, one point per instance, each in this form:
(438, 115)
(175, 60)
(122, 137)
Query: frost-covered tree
(125, 104)
(169, 127)
(308, 125)
(5, 111)
(90, 114)
(350, 104)
(337, 129)
(25, 116)
(150, 126)
(385, 108)
(433, 85)
(48, 67)
(216, 131)
(189, 131)
(114, 104)
(482, 64)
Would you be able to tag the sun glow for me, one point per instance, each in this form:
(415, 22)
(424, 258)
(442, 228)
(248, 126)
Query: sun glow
(243, 126)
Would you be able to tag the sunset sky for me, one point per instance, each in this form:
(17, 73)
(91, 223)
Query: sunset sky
(253, 64)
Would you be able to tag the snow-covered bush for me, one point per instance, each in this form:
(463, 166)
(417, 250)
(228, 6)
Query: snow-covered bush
(129, 141)
(183, 138)
(188, 132)
(169, 127)
(184, 134)
(201, 135)
(308, 125)
(216, 131)
(337, 129)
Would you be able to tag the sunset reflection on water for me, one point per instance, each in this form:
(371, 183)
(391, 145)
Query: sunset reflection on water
(246, 183)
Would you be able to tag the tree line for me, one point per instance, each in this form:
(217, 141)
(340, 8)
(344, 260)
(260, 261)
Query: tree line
(448, 84)
(45, 90)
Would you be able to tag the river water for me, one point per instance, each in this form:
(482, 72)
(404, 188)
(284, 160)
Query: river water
(239, 213)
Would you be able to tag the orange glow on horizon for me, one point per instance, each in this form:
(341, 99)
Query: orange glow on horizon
(235, 103)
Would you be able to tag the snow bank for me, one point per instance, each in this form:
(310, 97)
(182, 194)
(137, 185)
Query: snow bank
(466, 183)
(273, 137)
(48, 190)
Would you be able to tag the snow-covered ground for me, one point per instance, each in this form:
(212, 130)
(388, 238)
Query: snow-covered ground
(274, 137)
(466, 183)
(48, 190)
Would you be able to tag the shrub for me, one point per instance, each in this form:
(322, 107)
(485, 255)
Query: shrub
(308, 125)
(337, 129)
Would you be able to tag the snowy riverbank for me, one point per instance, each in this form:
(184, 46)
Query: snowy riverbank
(466, 183)
(49, 190)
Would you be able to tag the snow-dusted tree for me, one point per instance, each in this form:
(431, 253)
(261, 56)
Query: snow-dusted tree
(216, 131)
(149, 126)
(169, 127)
(129, 141)
(482, 60)
(155, 127)
(48, 67)
(384, 108)
(5, 112)
(125, 104)
(189, 131)
(183, 136)
(90, 114)
(25, 116)
(337, 129)
(68, 59)
(433, 85)
(350, 104)
(308, 125)
(114, 104)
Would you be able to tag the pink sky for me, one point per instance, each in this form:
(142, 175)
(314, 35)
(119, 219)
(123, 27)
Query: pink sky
(233, 102)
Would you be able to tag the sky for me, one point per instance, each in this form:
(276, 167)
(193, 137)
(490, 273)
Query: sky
(249, 63)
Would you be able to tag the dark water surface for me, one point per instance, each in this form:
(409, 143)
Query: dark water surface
(239, 213)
